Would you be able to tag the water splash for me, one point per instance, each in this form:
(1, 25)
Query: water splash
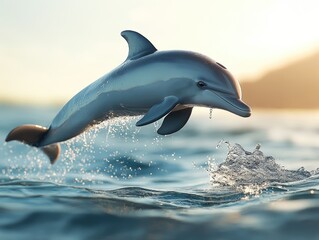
(250, 172)
(111, 151)
(100, 158)
(114, 149)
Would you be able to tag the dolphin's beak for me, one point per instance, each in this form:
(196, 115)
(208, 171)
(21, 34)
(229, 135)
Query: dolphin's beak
(234, 105)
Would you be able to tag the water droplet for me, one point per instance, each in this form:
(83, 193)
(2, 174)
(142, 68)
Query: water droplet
(219, 144)
(210, 113)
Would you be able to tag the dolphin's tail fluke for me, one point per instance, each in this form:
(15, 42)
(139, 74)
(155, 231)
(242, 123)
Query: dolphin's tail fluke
(32, 135)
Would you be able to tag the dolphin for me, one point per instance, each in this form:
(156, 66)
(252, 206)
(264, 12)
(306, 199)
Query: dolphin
(149, 82)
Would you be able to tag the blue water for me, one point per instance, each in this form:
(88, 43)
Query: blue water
(219, 178)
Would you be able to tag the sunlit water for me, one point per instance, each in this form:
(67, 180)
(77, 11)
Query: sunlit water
(219, 178)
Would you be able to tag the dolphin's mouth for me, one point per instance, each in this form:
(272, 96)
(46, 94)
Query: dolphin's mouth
(235, 105)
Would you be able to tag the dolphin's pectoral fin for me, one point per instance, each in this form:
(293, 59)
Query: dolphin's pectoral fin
(158, 111)
(174, 121)
(138, 45)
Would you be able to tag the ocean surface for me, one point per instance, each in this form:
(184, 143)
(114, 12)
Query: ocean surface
(220, 177)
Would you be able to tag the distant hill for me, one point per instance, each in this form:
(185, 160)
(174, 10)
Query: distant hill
(294, 86)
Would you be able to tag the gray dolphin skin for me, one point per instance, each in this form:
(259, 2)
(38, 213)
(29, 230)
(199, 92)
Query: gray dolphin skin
(150, 83)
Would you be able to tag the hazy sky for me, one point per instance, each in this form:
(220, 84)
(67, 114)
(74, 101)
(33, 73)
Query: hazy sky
(49, 50)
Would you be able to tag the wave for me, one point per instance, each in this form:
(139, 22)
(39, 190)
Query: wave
(70, 212)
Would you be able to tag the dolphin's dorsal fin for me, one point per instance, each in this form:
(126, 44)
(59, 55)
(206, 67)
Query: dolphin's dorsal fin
(138, 45)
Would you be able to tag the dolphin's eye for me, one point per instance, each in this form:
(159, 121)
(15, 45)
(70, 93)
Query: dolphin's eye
(201, 84)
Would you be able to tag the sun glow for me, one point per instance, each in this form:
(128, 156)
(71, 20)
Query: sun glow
(52, 49)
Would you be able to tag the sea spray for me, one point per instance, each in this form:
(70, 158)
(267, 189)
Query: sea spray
(101, 153)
